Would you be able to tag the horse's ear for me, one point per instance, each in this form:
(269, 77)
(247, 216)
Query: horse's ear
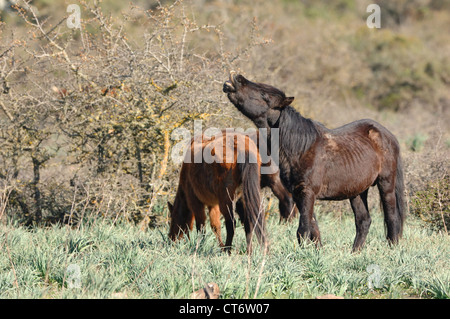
(287, 101)
(170, 206)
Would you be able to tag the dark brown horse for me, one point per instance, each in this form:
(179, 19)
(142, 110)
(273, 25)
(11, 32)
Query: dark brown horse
(319, 163)
(236, 164)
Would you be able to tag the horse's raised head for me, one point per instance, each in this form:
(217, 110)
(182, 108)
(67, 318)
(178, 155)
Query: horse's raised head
(260, 102)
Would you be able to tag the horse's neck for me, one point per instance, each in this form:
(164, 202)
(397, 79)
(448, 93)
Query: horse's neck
(297, 133)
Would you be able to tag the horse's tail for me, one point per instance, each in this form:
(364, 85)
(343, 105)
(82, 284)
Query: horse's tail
(400, 194)
(250, 172)
(180, 215)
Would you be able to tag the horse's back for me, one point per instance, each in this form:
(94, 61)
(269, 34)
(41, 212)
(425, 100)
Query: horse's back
(367, 128)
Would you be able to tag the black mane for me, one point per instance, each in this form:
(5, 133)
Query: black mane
(297, 133)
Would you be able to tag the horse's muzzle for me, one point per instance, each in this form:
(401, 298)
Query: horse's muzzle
(228, 87)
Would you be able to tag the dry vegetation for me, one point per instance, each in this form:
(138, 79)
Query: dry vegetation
(87, 115)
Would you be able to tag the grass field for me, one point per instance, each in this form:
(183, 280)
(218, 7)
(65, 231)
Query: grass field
(123, 261)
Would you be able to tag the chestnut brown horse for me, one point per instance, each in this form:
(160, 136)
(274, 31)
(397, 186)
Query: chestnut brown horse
(327, 164)
(215, 184)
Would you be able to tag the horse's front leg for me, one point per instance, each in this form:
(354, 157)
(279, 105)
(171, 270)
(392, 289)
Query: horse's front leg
(307, 228)
(214, 220)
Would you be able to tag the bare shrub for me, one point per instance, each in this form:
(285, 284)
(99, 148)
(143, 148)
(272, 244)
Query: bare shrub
(89, 114)
(432, 204)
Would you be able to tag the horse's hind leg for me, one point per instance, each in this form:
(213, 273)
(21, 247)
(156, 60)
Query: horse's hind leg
(240, 210)
(214, 220)
(393, 223)
(362, 219)
(226, 208)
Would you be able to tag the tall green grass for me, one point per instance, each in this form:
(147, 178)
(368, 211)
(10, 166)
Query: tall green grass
(121, 261)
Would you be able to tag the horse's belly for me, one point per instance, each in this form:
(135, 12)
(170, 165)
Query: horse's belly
(208, 199)
(340, 184)
(210, 181)
(350, 166)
